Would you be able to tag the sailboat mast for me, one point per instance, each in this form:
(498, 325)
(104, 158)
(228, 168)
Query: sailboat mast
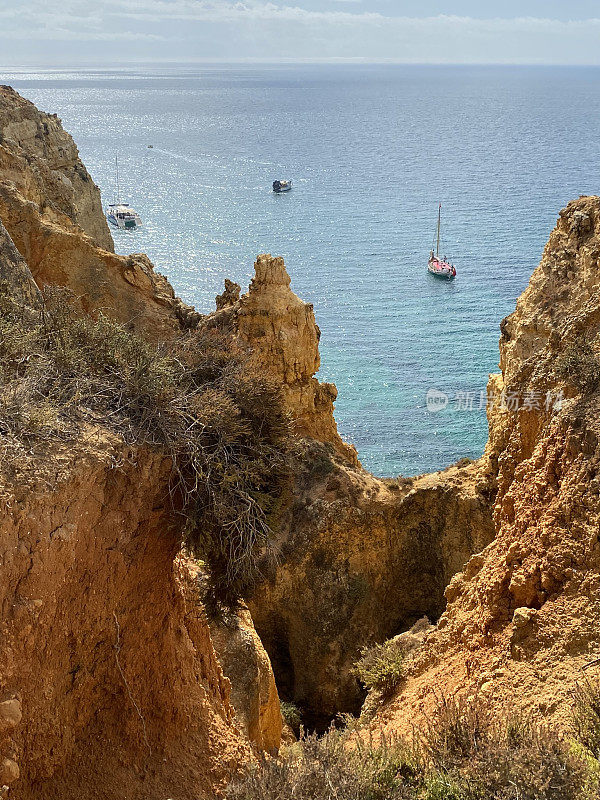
(437, 249)
(117, 173)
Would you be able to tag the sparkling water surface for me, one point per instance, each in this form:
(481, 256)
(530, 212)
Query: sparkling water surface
(371, 150)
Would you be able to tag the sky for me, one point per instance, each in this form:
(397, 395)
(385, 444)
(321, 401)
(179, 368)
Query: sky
(105, 32)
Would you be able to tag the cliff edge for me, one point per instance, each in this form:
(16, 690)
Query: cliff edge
(521, 626)
(41, 159)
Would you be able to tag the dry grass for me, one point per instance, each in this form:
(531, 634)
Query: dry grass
(225, 432)
(462, 754)
(587, 715)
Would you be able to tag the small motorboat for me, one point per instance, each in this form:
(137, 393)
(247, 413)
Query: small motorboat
(282, 186)
(440, 267)
(122, 215)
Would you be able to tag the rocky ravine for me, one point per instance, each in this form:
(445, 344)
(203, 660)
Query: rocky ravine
(112, 683)
(360, 559)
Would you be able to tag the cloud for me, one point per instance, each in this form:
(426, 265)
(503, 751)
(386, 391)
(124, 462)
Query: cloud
(246, 29)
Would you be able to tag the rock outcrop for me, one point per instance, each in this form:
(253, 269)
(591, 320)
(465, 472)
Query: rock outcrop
(253, 691)
(40, 158)
(521, 627)
(15, 276)
(361, 560)
(51, 210)
(109, 683)
(282, 336)
(244, 662)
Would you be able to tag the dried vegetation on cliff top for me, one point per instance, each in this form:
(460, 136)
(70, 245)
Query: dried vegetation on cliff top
(224, 431)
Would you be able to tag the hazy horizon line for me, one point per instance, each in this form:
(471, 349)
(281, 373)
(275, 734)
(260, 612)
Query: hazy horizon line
(334, 61)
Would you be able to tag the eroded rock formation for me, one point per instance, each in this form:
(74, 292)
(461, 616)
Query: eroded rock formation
(51, 210)
(15, 276)
(109, 683)
(282, 336)
(360, 559)
(112, 683)
(41, 160)
(110, 686)
(253, 691)
(521, 627)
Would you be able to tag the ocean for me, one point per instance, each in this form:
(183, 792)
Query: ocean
(371, 150)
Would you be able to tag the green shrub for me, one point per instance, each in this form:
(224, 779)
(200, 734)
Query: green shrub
(468, 754)
(223, 429)
(381, 667)
(579, 366)
(291, 715)
(463, 753)
(321, 466)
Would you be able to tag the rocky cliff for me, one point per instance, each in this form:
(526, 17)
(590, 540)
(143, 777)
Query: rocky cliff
(112, 681)
(110, 684)
(359, 558)
(40, 158)
(521, 627)
(51, 210)
(360, 561)
(282, 337)
(118, 688)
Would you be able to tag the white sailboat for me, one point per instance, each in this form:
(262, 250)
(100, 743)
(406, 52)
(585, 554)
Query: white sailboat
(119, 214)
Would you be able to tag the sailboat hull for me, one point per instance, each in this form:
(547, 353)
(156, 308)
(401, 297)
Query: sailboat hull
(440, 269)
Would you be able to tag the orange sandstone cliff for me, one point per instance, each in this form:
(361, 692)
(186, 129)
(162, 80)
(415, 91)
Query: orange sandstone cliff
(521, 626)
(112, 682)
(51, 209)
(359, 558)
(109, 674)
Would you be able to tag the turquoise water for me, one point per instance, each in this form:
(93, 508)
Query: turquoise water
(371, 151)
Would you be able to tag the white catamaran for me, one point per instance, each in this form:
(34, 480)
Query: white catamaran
(120, 214)
(440, 267)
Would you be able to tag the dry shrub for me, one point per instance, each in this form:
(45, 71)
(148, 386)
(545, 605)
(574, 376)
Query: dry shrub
(463, 753)
(328, 767)
(587, 715)
(224, 430)
(468, 754)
